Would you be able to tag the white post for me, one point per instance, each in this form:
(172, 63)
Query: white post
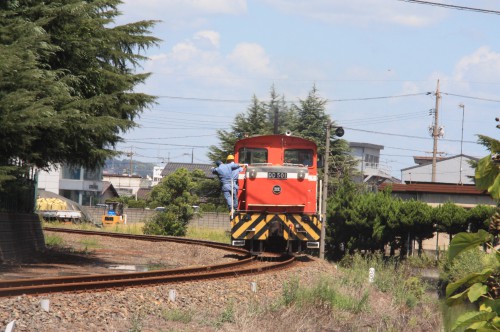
(371, 275)
(172, 294)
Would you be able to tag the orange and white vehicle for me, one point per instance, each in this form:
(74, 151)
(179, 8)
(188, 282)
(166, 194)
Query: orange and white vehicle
(278, 194)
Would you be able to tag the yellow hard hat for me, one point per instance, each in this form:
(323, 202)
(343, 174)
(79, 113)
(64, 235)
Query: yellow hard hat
(230, 157)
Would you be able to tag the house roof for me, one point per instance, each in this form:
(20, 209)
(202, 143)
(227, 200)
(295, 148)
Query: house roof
(106, 185)
(425, 160)
(438, 160)
(104, 174)
(143, 193)
(366, 145)
(436, 188)
(172, 167)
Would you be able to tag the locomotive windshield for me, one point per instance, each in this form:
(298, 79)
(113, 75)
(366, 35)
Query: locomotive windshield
(299, 156)
(252, 156)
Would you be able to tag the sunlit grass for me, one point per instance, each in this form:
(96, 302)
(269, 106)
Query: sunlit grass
(90, 244)
(54, 240)
(193, 232)
(130, 228)
(209, 234)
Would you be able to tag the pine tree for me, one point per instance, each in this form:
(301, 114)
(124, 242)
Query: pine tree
(67, 80)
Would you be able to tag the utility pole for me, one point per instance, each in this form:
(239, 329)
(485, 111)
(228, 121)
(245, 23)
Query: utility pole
(339, 132)
(276, 118)
(325, 191)
(192, 155)
(461, 141)
(435, 133)
(130, 154)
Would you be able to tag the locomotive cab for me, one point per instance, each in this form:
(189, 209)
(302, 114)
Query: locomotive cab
(277, 199)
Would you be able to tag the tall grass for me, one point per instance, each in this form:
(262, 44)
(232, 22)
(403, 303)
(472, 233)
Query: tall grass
(194, 232)
(391, 276)
(209, 234)
(326, 293)
(131, 228)
(54, 240)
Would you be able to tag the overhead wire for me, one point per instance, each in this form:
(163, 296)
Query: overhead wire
(479, 10)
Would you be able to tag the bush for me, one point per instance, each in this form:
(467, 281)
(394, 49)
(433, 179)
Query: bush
(165, 223)
(465, 263)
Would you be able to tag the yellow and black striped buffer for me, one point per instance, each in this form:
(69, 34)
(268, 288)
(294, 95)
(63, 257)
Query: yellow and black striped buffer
(261, 225)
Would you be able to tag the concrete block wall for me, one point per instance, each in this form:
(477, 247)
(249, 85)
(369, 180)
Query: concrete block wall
(20, 236)
(207, 219)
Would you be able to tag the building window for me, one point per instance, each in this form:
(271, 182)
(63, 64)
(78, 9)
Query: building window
(371, 161)
(93, 175)
(71, 172)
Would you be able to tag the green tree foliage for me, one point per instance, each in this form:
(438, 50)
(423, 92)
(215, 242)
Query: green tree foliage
(252, 122)
(450, 218)
(479, 217)
(67, 80)
(480, 287)
(175, 194)
(416, 220)
(312, 119)
(487, 174)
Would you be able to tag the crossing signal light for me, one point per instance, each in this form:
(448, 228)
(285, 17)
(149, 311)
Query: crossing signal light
(339, 132)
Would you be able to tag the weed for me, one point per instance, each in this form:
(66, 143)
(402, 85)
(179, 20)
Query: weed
(53, 240)
(209, 234)
(177, 315)
(290, 290)
(227, 316)
(90, 243)
(136, 323)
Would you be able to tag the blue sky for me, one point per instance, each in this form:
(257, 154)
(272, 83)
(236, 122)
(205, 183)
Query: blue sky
(374, 60)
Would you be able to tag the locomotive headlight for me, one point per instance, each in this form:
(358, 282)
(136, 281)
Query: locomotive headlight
(252, 174)
(301, 175)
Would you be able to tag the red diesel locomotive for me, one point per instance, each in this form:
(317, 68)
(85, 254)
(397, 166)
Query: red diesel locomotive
(278, 194)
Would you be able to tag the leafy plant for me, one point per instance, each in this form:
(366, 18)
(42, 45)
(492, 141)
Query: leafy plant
(478, 287)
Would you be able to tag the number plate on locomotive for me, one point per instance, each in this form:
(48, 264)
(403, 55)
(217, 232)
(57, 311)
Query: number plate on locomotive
(276, 175)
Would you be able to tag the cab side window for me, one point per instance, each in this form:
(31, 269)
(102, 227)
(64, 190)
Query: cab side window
(299, 157)
(252, 156)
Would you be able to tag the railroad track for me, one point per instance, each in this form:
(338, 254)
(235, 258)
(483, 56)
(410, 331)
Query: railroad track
(248, 264)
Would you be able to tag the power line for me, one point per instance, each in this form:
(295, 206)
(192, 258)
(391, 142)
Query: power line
(479, 10)
(383, 97)
(476, 98)
(330, 100)
(196, 136)
(408, 136)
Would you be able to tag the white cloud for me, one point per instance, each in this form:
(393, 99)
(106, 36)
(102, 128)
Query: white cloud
(199, 58)
(207, 39)
(481, 66)
(361, 12)
(168, 10)
(252, 58)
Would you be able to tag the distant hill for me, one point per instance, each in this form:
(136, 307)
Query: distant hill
(116, 166)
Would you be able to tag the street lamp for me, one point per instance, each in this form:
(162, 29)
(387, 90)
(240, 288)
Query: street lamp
(461, 141)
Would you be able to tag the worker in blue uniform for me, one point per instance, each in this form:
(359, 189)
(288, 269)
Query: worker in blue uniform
(225, 174)
(236, 172)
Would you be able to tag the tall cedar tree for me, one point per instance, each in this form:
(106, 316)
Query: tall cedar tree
(67, 80)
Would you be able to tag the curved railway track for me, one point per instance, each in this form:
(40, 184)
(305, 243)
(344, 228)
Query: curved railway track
(248, 264)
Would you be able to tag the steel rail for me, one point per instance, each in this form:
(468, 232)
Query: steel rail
(153, 238)
(83, 283)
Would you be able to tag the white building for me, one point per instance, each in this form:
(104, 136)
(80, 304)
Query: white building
(453, 170)
(369, 163)
(75, 183)
(127, 185)
(157, 175)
